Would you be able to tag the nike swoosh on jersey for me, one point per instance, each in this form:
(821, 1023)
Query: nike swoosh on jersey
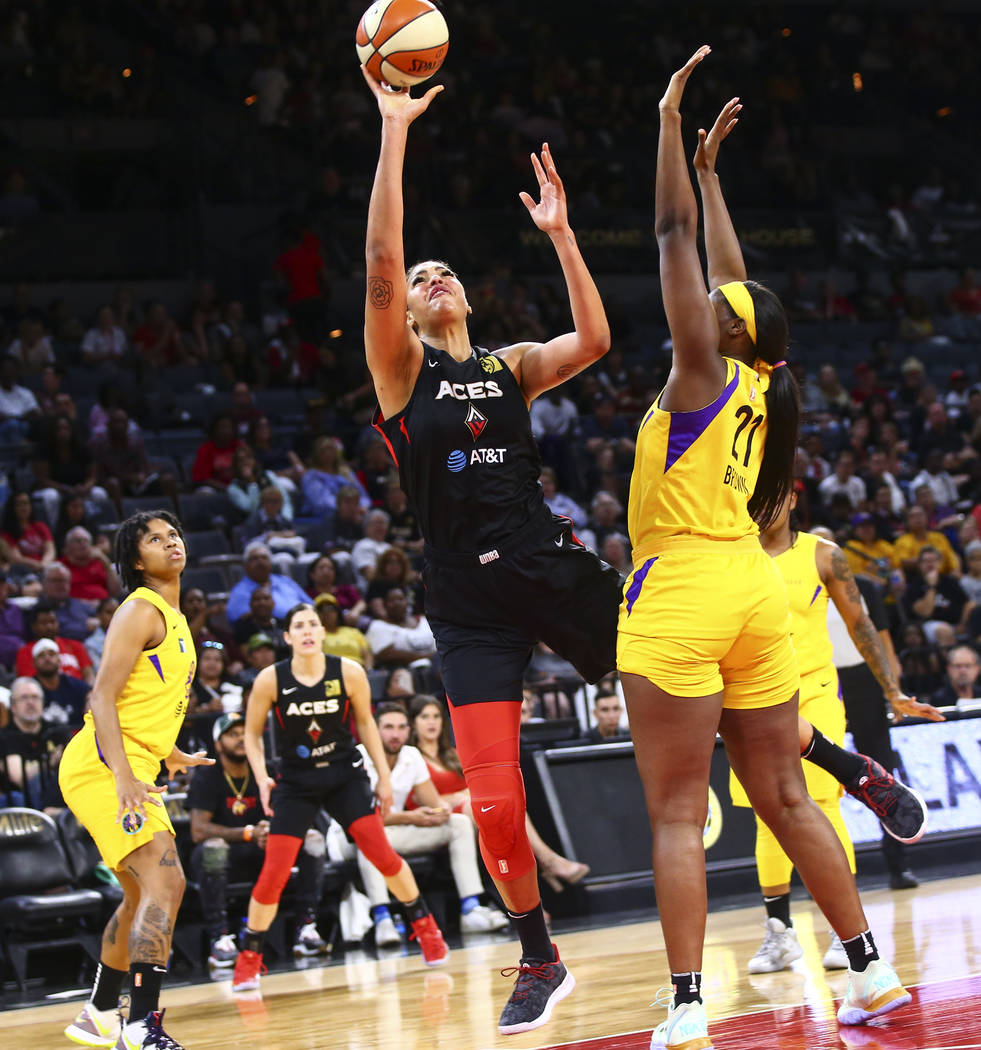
(558, 542)
(487, 809)
(292, 689)
(433, 364)
(360, 762)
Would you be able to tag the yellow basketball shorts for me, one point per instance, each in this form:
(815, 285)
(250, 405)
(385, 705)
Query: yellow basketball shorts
(89, 790)
(707, 616)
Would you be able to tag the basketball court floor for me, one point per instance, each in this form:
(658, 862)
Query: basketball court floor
(932, 934)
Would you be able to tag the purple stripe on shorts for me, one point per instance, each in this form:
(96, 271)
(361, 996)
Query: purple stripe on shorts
(637, 583)
(687, 427)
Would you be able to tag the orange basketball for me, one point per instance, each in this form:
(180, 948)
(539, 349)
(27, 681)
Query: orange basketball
(402, 42)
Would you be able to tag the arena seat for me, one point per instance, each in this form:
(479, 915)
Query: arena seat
(39, 908)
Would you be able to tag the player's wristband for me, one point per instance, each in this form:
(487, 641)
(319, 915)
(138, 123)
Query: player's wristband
(247, 833)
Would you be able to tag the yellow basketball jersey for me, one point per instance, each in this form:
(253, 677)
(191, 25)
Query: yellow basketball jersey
(154, 700)
(694, 472)
(808, 599)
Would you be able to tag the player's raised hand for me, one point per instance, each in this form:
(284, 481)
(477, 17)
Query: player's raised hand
(397, 103)
(671, 101)
(550, 214)
(708, 143)
(179, 761)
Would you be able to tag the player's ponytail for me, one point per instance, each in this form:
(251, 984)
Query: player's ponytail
(782, 407)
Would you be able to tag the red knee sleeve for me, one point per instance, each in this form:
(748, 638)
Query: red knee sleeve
(487, 742)
(281, 853)
(369, 834)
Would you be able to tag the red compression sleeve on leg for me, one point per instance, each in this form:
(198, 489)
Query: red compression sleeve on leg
(369, 835)
(281, 854)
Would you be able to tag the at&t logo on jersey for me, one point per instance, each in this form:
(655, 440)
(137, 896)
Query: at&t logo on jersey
(457, 459)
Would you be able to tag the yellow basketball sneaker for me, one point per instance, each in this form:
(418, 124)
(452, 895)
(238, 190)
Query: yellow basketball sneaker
(872, 993)
(94, 1027)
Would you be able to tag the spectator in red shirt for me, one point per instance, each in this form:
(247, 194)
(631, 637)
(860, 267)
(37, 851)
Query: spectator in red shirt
(158, 339)
(302, 265)
(93, 577)
(30, 540)
(213, 462)
(73, 657)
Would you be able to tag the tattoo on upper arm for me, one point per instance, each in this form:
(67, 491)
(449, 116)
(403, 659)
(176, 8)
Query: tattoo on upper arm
(380, 292)
(843, 572)
(565, 371)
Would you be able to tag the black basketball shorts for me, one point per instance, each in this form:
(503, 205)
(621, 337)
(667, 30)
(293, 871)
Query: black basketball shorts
(342, 788)
(488, 610)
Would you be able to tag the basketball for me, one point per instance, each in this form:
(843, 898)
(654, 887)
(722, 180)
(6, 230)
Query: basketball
(402, 42)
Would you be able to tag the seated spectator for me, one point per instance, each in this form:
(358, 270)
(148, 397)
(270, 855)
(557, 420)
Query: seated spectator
(65, 468)
(105, 341)
(430, 733)
(92, 575)
(364, 554)
(275, 457)
(375, 472)
(212, 466)
(557, 502)
(422, 830)
(607, 713)
(401, 638)
(347, 524)
(96, 641)
(65, 697)
(606, 517)
(844, 480)
(921, 663)
(206, 620)
(73, 659)
(615, 551)
(399, 685)
(403, 526)
(229, 830)
(888, 524)
(259, 620)
(30, 749)
(933, 597)
(248, 481)
(260, 651)
(326, 473)
(867, 555)
(123, 466)
(75, 617)
(11, 625)
(908, 546)
(269, 521)
(963, 668)
(553, 678)
(29, 538)
(938, 480)
(32, 347)
(75, 511)
(393, 569)
(971, 580)
(341, 640)
(158, 341)
(18, 406)
(286, 592)
(212, 694)
(322, 579)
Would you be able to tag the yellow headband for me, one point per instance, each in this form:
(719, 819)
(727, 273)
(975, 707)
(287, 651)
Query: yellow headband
(738, 297)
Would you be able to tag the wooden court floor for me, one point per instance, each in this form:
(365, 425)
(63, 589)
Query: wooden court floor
(932, 934)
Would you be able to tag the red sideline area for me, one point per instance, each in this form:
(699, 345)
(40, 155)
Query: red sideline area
(945, 1015)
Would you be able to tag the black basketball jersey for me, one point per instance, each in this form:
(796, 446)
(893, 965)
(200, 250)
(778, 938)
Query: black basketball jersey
(312, 720)
(466, 456)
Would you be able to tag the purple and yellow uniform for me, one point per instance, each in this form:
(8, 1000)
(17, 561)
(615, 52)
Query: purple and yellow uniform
(820, 700)
(151, 709)
(705, 610)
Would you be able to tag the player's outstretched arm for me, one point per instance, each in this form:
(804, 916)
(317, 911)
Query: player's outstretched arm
(137, 625)
(690, 315)
(725, 257)
(391, 345)
(359, 693)
(261, 700)
(836, 574)
(546, 365)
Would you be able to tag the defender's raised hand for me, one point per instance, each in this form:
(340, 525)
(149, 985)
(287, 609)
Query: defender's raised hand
(671, 102)
(550, 213)
(708, 143)
(397, 103)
